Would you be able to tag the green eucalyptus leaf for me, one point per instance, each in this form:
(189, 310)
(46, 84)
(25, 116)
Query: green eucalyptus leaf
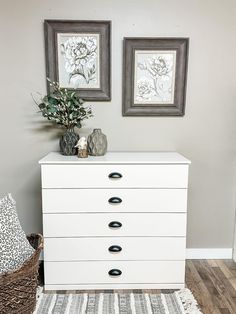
(52, 101)
(41, 106)
(78, 125)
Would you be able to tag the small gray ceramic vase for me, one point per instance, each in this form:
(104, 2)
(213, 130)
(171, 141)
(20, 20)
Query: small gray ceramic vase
(97, 143)
(68, 142)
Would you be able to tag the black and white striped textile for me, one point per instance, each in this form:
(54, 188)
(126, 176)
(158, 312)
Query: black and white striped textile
(179, 302)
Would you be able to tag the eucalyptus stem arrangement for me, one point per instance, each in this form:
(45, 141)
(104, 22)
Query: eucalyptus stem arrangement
(65, 107)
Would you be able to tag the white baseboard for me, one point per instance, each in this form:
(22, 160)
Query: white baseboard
(221, 253)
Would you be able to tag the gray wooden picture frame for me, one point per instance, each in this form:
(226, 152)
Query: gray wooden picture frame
(103, 29)
(177, 107)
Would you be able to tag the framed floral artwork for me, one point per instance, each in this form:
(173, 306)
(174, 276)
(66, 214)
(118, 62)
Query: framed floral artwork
(78, 56)
(154, 76)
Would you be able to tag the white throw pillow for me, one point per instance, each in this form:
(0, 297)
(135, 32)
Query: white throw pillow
(14, 246)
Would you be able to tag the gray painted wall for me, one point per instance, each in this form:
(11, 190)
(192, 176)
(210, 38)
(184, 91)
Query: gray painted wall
(206, 135)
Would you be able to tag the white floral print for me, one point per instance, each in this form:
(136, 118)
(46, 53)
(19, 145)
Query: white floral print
(80, 57)
(154, 77)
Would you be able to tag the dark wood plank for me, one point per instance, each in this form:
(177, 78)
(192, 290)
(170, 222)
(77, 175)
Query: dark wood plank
(203, 296)
(216, 286)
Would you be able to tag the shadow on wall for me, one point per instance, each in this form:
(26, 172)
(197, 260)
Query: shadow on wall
(53, 131)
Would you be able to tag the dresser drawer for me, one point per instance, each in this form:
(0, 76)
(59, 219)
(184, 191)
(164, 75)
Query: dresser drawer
(73, 273)
(112, 248)
(115, 224)
(114, 176)
(114, 200)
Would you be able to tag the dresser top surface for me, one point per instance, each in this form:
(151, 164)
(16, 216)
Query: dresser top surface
(118, 158)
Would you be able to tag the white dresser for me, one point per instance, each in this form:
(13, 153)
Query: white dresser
(114, 222)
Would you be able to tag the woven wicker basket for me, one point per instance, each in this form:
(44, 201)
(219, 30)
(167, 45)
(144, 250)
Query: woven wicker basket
(18, 288)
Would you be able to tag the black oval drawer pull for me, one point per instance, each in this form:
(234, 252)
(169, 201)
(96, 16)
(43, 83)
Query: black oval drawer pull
(115, 224)
(115, 175)
(115, 272)
(115, 200)
(115, 248)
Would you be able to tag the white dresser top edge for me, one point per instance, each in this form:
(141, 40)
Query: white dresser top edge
(118, 158)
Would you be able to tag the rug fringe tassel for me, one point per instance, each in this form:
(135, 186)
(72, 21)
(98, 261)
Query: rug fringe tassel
(188, 301)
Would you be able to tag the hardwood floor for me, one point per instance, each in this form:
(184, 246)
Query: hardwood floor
(213, 284)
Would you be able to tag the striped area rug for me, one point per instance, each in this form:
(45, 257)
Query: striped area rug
(179, 302)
